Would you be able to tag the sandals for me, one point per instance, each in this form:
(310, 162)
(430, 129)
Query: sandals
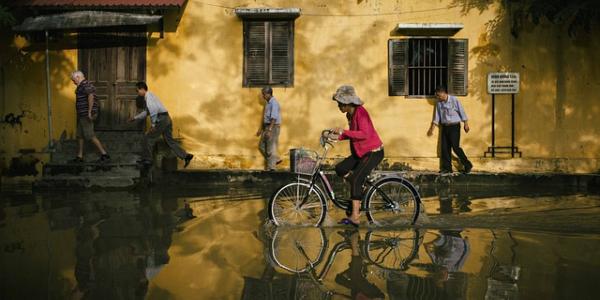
(346, 221)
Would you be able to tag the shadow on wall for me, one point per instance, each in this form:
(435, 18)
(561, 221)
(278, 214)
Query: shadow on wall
(23, 106)
(321, 70)
(194, 46)
(215, 124)
(555, 110)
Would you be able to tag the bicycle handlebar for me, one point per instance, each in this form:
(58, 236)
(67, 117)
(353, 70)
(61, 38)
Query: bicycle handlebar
(326, 137)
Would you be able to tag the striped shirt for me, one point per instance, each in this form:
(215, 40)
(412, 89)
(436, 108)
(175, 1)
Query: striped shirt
(83, 90)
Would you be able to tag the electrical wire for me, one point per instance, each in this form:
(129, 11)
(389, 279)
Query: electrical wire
(368, 14)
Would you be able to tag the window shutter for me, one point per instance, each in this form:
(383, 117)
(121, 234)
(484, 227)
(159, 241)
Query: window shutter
(256, 49)
(281, 53)
(458, 51)
(397, 67)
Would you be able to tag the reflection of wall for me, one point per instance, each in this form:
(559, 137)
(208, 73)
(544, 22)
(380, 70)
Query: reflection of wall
(104, 246)
(197, 72)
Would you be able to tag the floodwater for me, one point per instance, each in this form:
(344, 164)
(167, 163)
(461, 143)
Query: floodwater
(470, 244)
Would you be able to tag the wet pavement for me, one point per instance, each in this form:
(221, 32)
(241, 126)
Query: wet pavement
(214, 244)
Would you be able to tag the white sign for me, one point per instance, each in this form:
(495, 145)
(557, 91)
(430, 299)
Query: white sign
(503, 83)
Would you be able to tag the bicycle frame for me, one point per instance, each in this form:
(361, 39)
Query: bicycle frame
(345, 204)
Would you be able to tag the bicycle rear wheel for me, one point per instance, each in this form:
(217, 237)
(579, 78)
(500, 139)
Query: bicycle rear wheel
(393, 201)
(297, 203)
(392, 249)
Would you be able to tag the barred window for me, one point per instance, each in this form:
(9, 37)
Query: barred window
(418, 65)
(268, 53)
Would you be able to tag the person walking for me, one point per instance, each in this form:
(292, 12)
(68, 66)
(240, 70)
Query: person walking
(86, 106)
(448, 113)
(269, 131)
(161, 125)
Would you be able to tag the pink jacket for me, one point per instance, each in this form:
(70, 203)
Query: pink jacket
(362, 135)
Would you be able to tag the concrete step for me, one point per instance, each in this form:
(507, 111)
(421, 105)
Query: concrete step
(97, 169)
(85, 182)
(83, 176)
(422, 180)
(116, 158)
(73, 147)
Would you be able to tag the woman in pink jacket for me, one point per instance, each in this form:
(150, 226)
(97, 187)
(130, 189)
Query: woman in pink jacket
(365, 145)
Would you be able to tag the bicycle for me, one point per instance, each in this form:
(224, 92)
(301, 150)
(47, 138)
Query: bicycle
(388, 199)
(298, 249)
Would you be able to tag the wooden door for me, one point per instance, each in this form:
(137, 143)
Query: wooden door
(114, 63)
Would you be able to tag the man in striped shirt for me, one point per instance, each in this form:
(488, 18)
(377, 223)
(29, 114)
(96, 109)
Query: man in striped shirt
(86, 106)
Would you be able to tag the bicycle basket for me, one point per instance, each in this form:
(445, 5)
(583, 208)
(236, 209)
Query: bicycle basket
(303, 161)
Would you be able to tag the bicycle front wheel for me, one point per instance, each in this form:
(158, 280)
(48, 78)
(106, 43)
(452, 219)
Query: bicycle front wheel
(392, 249)
(297, 203)
(296, 249)
(393, 201)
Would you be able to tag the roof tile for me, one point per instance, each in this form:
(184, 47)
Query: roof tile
(101, 3)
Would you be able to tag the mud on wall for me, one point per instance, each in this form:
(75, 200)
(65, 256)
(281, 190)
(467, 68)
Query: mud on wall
(198, 70)
(23, 101)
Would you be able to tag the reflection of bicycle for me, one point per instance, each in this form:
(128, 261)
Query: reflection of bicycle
(388, 200)
(301, 249)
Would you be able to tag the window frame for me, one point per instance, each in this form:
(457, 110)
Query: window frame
(247, 81)
(398, 66)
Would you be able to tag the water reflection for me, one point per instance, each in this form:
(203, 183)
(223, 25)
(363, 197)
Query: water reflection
(306, 257)
(306, 253)
(406, 263)
(156, 245)
(86, 246)
(119, 249)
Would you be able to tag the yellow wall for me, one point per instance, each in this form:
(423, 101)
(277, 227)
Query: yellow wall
(23, 88)
(197, 72)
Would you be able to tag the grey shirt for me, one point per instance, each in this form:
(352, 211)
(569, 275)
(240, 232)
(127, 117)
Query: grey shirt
(153, 107)
(272, 111)
(449, 112)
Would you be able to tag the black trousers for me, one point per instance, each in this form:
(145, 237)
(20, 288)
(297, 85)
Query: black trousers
(451, 140)
(361, 168)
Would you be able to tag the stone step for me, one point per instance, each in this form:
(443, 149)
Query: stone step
(117, 158)
(97, 169)
(73, 146)
(88, 175)
(85, 182)
(119, 135)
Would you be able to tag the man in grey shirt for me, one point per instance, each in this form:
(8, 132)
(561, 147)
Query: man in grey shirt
(269, 131)
(448, 114)
(161, 125)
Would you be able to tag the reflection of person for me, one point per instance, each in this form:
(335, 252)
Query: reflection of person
(86, 105)
(448, 252)
(365, 145)
(354, 278)
(269, 131)
(448, 114)
(161, 125)
(119, 251)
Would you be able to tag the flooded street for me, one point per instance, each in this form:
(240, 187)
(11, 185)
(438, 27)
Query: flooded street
(470, 244)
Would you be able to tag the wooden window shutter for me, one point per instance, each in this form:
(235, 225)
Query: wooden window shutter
(397, 67)
(458, 58)
(282, 53)
(255, 64)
